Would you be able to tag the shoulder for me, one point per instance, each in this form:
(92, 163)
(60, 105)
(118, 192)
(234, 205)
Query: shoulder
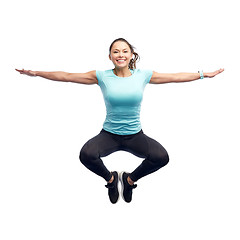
(145, 73)
(102, 75)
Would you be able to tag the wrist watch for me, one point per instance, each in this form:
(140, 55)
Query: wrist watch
(201, 74)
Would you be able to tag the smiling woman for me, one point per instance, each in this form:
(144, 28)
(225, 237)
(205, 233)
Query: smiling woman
(121, 51)
(122, 89)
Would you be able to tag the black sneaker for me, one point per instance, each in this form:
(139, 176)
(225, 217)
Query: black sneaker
(126, 187)
(113, 192)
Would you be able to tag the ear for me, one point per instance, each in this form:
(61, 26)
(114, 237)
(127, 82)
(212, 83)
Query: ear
(110, 57)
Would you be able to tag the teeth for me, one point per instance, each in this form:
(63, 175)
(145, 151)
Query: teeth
(120, 60)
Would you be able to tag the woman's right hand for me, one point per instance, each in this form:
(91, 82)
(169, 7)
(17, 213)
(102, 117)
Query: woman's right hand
(27, 72)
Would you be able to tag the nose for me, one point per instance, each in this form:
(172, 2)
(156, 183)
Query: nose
(120, 54)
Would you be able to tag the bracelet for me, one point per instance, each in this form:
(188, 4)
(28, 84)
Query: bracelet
(201, 74)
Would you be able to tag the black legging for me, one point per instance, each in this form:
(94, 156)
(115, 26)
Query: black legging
(138, 144)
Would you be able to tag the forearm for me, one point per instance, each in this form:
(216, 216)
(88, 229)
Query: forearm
(187, 77)
(158, 78)
(56, 76)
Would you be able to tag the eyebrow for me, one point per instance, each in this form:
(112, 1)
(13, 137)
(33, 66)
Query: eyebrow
(118, 49)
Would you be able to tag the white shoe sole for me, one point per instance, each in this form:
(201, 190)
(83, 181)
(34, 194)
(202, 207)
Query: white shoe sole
(121, 180)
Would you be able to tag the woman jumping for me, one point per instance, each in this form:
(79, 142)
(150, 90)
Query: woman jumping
(122, 89)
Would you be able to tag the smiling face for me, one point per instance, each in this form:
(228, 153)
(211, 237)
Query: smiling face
(120, 54)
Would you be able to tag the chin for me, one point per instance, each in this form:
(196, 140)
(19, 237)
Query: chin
(121, 65)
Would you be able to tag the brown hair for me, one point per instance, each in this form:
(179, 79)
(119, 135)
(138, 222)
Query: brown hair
(132, 63)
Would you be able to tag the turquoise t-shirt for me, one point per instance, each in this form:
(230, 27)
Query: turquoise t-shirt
(123, 97)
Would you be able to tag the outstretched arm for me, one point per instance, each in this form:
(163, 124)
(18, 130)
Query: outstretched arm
(84, 78)
(158, 78)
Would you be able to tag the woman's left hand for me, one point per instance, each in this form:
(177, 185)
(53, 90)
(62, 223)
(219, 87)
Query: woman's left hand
(213, 74)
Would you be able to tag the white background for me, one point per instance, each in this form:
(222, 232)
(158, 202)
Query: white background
(46, 193)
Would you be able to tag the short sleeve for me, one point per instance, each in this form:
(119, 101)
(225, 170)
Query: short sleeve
(148, 75)
(99, 75)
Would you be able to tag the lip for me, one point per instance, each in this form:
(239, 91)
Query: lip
(121, 60)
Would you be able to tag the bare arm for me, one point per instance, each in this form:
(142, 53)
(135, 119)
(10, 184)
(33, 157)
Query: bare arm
(84, 78)
(158, 78)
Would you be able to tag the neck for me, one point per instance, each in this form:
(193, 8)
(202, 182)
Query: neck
(122, 72)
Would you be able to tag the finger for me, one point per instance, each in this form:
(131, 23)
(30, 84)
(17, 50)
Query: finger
(20, 71)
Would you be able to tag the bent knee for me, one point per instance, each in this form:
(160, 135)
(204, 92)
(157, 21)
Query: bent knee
(165, 159)
(161, 159)
(86, 155)
(82, 156)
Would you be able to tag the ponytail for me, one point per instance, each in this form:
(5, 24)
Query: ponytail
(132, 63)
